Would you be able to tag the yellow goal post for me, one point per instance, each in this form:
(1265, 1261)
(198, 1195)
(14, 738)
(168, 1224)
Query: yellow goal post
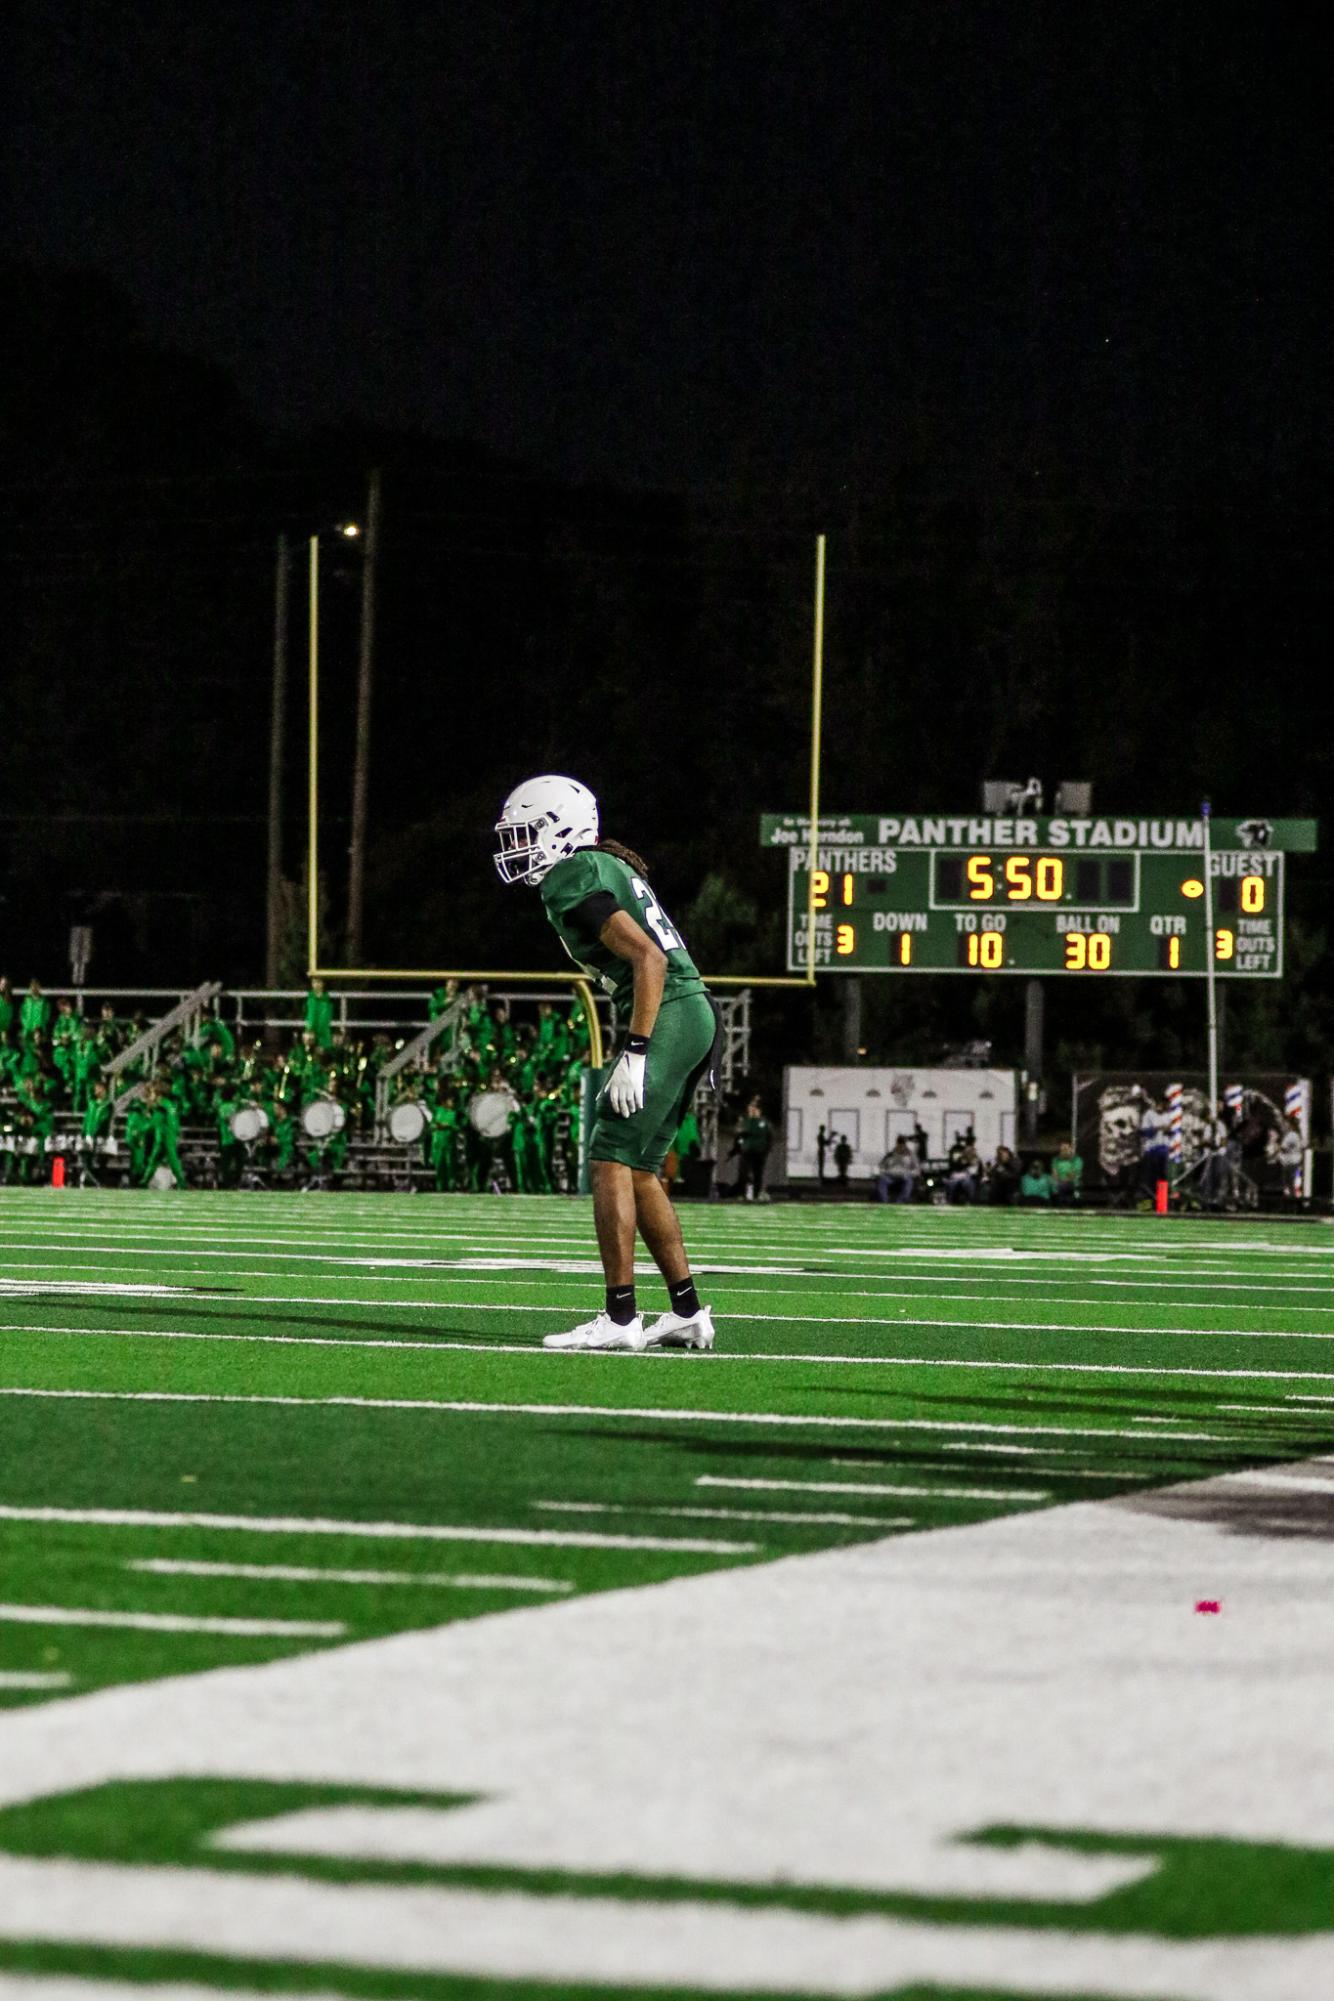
(576, 981)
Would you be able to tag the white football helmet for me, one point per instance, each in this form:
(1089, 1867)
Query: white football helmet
(541, 822)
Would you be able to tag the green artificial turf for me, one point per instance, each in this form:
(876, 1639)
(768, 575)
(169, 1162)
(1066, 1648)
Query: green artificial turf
(195, 1389)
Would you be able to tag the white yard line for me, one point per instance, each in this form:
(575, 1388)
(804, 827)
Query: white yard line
(918, 1492)
(172, 1622)
(295, 1573)
(1263, 1409)
(1074, 1466)
(175, 1274)
(717, 1355)
(830, 1519)
(614, 1412)
(923, 1324)
(152, 1518)
(1201, 1259)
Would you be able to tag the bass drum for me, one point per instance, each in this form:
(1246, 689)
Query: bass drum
(407, 1122)
(249, 1123)
(322, 1117)
(491, 1112)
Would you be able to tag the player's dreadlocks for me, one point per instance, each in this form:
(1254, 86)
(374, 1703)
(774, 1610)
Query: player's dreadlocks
(626, 855)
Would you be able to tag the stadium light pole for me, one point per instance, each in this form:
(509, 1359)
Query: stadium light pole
(277, 745)
(361, 756)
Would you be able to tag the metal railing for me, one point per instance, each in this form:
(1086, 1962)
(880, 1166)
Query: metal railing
(413, 1052)
(733, 1063)
(187, 1014)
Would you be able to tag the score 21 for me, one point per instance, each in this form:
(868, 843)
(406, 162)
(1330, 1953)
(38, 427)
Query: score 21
(845, 936)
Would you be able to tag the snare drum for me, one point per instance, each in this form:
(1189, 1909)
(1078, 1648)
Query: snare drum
(322, 1117)
(249, 1123)
(407, 1122)
(491, 1112)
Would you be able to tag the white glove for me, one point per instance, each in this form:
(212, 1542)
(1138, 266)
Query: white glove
(625, 1086)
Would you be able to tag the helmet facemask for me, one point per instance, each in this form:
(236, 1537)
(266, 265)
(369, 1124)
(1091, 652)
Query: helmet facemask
(522, 855)
(541, 823)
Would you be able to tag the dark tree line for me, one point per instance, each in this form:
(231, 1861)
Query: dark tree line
(1162, 633)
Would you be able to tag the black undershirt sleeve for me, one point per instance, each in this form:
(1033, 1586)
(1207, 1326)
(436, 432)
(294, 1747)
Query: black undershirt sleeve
(590, 915)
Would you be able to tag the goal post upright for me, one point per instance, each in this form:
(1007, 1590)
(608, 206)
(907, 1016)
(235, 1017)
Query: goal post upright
(313, 773)
(817, 720)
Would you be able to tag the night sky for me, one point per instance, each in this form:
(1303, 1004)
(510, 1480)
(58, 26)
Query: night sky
(1027, 305)
(672, 243)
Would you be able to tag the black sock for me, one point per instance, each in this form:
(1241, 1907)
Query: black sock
(621, 1304)
(684, 1298)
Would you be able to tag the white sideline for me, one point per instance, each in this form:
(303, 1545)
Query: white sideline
(152, 1518)
(614, 1412)
(26, 1678)
(35, 1986)
(172, 1622)
(296, 1573)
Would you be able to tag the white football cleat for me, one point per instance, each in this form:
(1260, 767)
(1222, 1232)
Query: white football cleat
(675, 1330)
(603, 1333)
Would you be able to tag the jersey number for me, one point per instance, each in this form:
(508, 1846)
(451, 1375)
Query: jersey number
(656, 919)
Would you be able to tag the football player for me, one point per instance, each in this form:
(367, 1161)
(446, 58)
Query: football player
(597, 897)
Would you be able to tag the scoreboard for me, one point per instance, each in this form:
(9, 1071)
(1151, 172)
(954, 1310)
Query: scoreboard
(968, 893)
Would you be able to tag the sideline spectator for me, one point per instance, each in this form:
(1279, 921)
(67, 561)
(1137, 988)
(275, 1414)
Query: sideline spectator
(1035, 1186)
(842, 1158)
(442, 999)
(896, 1180)
(1003, 1180)
(1067, 1176)
(686, 1148)
(823, 1141)
(1154, 1146)
(1291, 1159)
(319, 1013)
(753, 1141)
(962, 1171)
(35, 1013)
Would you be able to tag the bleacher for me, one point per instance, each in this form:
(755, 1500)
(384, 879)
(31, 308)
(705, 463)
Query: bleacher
(459, 1088)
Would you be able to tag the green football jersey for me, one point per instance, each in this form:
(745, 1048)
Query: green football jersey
(590, 872)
